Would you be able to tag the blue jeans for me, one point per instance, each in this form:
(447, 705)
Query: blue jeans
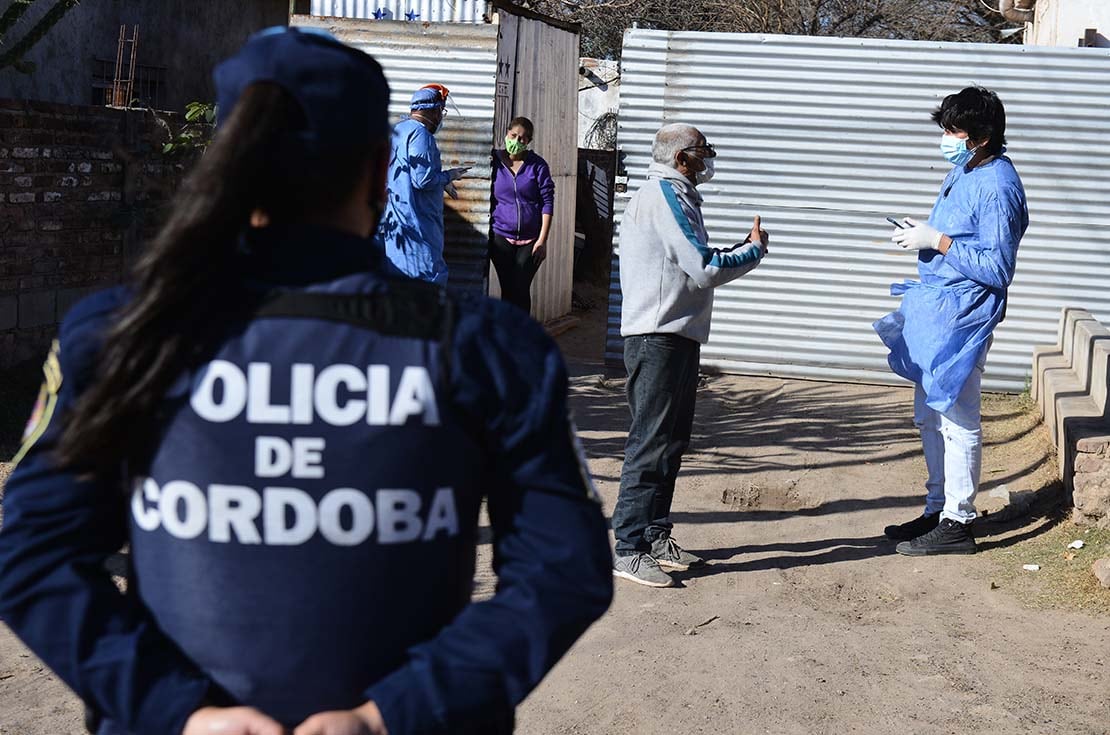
(662, 386)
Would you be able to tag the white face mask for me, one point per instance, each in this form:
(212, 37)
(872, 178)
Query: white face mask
(706, 173)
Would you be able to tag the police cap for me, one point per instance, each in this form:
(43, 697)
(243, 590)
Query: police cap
(342, 91)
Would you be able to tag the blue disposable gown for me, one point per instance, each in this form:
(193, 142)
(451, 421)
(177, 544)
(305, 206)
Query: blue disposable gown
(411, 229)
(945, 321)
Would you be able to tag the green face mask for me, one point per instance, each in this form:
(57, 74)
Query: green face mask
(514, 147)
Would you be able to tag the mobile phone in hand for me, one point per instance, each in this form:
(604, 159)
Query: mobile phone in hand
(896, 223)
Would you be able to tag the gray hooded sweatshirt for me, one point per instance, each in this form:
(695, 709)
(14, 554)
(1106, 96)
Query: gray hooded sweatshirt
(668, 271)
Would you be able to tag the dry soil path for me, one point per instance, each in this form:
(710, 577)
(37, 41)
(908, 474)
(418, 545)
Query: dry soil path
(805, 621)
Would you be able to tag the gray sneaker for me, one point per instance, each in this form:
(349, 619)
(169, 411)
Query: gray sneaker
(670, 555)
(641, 569)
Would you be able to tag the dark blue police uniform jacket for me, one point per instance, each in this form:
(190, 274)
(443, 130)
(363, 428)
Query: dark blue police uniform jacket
(304, 536)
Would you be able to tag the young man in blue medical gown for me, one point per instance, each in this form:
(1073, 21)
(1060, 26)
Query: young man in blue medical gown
(940, 335)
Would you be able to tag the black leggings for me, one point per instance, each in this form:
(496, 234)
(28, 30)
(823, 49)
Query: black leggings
(515, 270)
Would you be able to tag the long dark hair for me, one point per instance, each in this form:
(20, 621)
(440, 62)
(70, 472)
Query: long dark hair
(187, 288)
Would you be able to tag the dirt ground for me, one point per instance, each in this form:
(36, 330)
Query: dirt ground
(805, 621)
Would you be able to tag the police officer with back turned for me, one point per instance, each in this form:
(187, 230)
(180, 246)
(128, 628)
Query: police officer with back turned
(295, 444)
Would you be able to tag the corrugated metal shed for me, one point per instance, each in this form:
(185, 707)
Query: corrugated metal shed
(546, 92)
(464, 58)
(430, 11)
(824, 138)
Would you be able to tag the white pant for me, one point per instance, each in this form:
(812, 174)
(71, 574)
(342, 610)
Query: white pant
(953, 444)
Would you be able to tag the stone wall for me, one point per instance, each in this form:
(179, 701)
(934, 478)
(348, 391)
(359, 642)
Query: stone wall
(1091, 480)
(80, 189)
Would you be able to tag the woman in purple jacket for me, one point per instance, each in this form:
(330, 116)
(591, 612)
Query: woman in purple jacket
(523, 200)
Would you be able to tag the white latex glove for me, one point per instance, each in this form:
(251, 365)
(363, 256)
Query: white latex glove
(454, 174)
(451, 190)
(917, 236)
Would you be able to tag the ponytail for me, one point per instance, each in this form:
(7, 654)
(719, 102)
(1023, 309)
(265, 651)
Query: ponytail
(188, 287)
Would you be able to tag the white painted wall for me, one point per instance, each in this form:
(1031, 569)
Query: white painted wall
(599, 93)
(1063, 22)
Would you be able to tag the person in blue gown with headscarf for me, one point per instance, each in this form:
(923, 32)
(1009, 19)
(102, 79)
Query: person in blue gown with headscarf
(940, 335)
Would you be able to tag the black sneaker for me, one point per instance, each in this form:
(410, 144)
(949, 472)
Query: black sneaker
(949, 537)
(912, 529)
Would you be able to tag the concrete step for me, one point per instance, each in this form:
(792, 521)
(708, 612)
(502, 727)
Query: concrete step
(1046, 358)
(1070, 386)
(1061, 385)
(1058, 355)
(1088, 335)
(1068, 319)
(1100, 370)
(1079, 411)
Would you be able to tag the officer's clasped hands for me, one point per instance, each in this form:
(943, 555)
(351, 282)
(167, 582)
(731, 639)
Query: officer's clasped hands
(231, 721)
(364, 720)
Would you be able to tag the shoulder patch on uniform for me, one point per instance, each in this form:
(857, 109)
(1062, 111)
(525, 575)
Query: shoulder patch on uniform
(44, 404)
(583, 468)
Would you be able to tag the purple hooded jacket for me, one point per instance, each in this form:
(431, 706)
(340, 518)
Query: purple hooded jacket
(520, 201)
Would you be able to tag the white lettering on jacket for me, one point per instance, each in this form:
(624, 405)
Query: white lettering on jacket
(286, 516)
(339, 395)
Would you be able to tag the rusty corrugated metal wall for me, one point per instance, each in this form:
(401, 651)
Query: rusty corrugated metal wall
(520, 66)
(538, 79)
(464, 58)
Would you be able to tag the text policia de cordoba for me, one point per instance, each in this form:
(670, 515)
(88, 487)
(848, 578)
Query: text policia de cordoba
(281, 515)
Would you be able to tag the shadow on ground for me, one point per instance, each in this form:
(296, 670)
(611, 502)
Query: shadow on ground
(829, 425)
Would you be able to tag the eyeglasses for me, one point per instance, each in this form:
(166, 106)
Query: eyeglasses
(704, 147)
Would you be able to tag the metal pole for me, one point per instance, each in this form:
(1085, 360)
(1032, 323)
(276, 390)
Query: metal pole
(131, 73)
(113, 99)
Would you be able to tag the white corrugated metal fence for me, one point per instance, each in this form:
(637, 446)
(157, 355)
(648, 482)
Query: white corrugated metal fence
(428, 11)
(826, 137)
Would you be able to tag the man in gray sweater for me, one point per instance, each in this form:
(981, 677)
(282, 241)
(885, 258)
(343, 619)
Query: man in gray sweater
(668, 273)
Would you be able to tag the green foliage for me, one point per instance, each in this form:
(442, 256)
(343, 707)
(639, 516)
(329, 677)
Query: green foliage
(200, 112)
(195, 135)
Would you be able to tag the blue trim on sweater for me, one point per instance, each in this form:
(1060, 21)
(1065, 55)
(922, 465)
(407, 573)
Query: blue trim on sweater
(709, 256)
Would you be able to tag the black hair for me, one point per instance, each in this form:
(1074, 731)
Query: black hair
(524, 123)
(188, 288)
(976, 111)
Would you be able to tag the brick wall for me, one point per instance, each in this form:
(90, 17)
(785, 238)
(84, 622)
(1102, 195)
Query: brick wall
(80, 189)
